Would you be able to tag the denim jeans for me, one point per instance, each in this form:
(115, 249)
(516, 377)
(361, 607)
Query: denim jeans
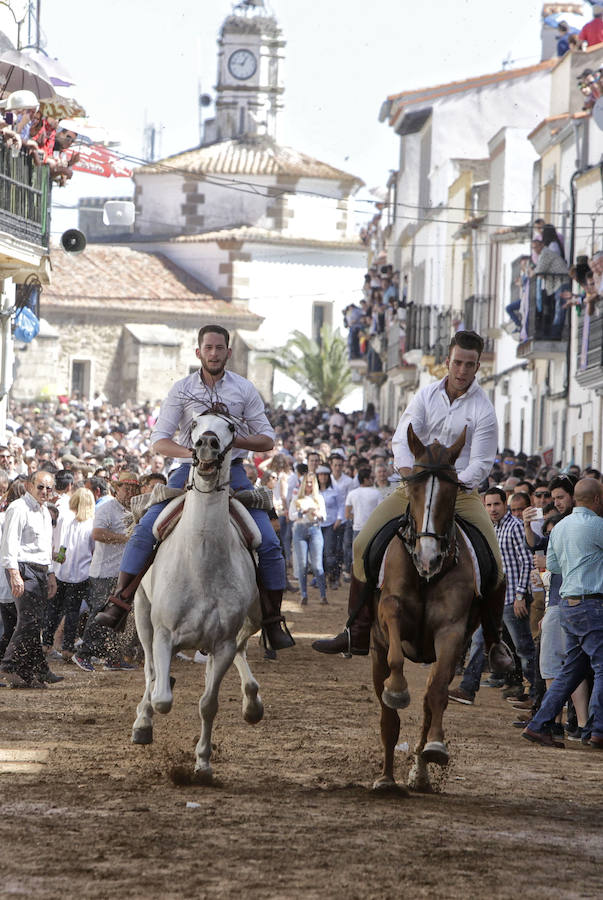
(270, 558)
(584, 626)
(307, 541)
(473, 672)
(285, 537)
(348, 540)
(519, 629)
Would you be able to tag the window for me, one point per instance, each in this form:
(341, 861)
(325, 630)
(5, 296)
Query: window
(80, 381)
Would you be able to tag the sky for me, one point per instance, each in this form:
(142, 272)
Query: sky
(141, 61)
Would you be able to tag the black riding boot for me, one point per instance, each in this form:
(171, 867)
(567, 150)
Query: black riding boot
(500, 657)
(275, 631)
(355, 639)
(115, 611)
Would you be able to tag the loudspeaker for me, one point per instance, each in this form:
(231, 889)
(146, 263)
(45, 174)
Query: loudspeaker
(73, 241)
(119, 212)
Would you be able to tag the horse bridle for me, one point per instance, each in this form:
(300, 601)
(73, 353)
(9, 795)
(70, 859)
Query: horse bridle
(221, 411)
(409, 535)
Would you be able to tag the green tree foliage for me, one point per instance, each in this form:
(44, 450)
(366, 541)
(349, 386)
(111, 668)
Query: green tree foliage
(321, 369)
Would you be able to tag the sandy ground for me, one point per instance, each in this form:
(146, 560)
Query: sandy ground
(83, 812)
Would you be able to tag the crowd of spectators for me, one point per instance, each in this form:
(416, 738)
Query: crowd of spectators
(32, 127)
(327, 472)
(383, 302)
(546, 278)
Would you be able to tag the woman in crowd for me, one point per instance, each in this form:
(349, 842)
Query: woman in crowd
(331, 501)
(75, 535)
(307, 513)
(281, 466)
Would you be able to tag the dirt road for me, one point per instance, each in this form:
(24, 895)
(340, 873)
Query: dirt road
(292, 815)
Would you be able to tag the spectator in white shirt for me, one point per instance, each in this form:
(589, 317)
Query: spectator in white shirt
(362, 501)
(75, 536)
(26, 554)
(8, 610)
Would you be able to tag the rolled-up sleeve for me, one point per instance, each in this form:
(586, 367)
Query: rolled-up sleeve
(414, 415)
(170, 414)
(483, 451)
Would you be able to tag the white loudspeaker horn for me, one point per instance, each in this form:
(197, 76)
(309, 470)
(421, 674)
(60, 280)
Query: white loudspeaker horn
(119, 212)
(73, 241)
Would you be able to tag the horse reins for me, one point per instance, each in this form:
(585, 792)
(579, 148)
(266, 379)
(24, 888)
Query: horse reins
(221, 411)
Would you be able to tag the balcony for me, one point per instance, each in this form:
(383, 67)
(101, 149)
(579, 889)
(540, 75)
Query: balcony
(24, 199)
(540, 340)
(589, 368)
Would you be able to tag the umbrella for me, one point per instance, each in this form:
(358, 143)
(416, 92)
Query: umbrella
(57, 73)
(19, 73)
(87, 130)
(62, 108)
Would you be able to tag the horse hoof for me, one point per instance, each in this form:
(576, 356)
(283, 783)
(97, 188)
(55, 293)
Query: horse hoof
(203, 777)
(435, 752)
(396, 700)
(254, 713)
(386, 785)
(142, 735)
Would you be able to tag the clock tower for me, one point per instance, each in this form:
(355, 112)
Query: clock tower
(249, 89)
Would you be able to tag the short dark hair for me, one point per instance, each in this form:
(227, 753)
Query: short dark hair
(521, 495)
(499, 493)
(564, 482)
(467, 340)
(98, 484)
(213, 329)
(364, 473)
(63, 480)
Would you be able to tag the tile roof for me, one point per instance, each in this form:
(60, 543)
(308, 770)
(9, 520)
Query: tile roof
(253, 234)
(113, 277)
(248, 156)
(421, 95)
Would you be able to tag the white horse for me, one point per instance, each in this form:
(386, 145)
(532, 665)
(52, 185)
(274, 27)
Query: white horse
(200, 592)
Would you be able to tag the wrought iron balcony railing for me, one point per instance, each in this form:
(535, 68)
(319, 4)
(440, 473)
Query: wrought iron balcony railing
(24, 198)
(589, 369)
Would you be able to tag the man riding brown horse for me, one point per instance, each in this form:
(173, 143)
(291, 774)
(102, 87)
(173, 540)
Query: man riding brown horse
(439, 411)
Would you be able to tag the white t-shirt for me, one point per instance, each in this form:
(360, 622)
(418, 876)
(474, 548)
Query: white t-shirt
(363, 501)
(106, 559)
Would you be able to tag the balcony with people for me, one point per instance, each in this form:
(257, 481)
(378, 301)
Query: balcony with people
(545, 295)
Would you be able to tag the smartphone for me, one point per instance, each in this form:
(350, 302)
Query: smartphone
(539, 514)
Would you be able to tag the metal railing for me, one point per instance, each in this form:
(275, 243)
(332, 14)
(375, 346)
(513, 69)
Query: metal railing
(589, 366)
(476, 318)
(418, 328)
(541, 324)
(24, 197)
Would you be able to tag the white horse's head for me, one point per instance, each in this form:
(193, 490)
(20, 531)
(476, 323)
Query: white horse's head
(212, 437)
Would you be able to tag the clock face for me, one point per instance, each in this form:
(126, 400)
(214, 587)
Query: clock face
(242, 64)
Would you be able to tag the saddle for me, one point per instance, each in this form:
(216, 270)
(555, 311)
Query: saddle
(247, 529)
(375, 551)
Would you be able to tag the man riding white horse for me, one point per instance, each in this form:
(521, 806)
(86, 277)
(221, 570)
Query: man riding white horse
(439, 411)
(198, 392)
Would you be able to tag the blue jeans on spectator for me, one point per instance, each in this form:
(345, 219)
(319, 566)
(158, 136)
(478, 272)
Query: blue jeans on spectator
(270, 558)
(519, 629)
(308, 542)
(512, 310)
(331, 566)
(584, 626)
(473, 672)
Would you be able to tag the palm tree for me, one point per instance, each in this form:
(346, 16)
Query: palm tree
(319, 367)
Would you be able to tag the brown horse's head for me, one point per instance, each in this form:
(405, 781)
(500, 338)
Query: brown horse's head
(432, 488)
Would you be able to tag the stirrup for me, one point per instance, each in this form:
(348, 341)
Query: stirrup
(347, 654)
(117, 600)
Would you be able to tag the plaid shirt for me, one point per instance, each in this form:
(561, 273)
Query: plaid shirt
(517, 559)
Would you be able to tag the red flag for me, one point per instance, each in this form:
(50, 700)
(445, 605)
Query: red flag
(98, 160)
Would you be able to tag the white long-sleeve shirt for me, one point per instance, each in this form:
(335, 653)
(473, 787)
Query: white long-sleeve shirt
(27, 534)
(190, 396)
(77, 539)
(432, 416)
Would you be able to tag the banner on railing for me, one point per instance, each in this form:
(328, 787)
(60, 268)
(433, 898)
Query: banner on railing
(98, 160)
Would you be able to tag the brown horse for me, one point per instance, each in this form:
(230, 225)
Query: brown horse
(425, 609)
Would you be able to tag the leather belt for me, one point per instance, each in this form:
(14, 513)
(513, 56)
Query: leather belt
(574, 601)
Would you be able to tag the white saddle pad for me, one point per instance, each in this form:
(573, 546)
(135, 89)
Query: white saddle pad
(240, 517)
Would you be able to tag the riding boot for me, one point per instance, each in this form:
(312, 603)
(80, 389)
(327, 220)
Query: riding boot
(492, 604)
(354, 640)
(274, 630)
(115, 611)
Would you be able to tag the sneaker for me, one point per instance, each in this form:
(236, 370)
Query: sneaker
(521, 704)
(574, 734)
(513, 693)
(50, 678)
(493, 682)
(82, 663)
(199, 657)
(53, 654)
(461, 697)
(120, 666)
